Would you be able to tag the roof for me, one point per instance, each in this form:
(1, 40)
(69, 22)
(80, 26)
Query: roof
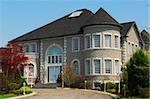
(69, 25)
(145, 36)
(61, 27)
(126, 27)
(102, 17)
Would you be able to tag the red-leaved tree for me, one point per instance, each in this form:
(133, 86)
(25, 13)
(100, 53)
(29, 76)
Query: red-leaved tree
(12, 60)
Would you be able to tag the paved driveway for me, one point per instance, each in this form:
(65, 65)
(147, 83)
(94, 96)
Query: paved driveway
(66, 94)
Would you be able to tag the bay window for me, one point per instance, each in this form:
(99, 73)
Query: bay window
(117, 41)
(117, 67)
(87, 41)
(107, 40)
(97, 65)
(108, 66)
(96, 38)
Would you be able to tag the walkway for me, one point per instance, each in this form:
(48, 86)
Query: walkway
(66, 94)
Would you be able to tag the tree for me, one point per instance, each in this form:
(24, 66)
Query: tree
(138, 71)
(12, 59)
(68, 75)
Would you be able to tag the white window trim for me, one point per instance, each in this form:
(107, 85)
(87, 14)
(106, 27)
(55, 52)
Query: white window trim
(86, 66)
(29, 44)
(85, 43)
(118, 41)
(93, 42)
(105, 33)
(52, 64)
(94, 66)
(78, 38)
(105, 66)
(115, 72)
(78, 64)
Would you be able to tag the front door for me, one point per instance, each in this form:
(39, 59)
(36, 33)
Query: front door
(53, 72)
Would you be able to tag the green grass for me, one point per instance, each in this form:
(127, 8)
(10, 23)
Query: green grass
(4, 96)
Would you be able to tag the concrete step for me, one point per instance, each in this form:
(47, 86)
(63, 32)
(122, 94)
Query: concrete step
(48, 85)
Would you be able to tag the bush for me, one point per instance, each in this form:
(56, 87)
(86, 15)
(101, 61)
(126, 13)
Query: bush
(144, 92)
(13, 86)
(17, 91)
(110, 85)
(26, 88)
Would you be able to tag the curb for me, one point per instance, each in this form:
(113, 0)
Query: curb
(99, 92)
(24, 96)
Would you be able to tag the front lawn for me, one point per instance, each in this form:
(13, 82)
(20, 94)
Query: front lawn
(4, 96)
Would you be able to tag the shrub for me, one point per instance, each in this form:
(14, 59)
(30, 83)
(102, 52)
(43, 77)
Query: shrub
(26, 88)
(13, 86)
(144, 92)
(17, 91)
(110, 85)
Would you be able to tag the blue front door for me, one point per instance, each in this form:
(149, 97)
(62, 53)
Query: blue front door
(53, 72)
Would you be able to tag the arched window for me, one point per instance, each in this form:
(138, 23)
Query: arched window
(76, 66)
(31, 70)
(54, 55)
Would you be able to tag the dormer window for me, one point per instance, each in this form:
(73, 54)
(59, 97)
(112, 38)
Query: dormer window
(75, 14)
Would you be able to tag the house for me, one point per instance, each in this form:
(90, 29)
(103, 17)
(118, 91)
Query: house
(94, 44)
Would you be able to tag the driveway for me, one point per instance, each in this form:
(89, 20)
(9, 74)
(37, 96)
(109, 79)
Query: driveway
(66, 94)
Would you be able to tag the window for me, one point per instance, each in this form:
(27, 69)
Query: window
(30, 47)
(107, 40)
(129, 47)
(117, 67)
(76, 67)
(96, 40)
(87, 41)
(87, 67)
(49, 59)
(26, 48)
(75, 44)
(108, 66)
(76, 14)
(97, 65)
(31, 70)
(117, 41)
(33, 49)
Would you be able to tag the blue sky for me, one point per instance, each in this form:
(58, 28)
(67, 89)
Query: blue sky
(18, 17)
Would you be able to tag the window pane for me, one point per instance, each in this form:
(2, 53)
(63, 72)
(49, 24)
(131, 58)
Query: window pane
(33, 47)
(56, 60)
(97, 66)
(49, 59)
(108, 66)
(87, 40)
(87, 66)
(107, 40)
(26, 48)
(75, 44)
(52, 59)
(96, 40)
(76, 67)
(60, 59)
(117, 66)
(116, 42)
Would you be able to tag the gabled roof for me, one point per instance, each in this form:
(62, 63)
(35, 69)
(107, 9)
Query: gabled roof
(145, 36)
(61, 27)
(126, 27)
(102, 17)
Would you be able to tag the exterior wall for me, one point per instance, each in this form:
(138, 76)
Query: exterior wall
(103, 53)
(131, 38)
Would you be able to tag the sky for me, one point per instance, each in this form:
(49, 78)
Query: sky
(18, 17)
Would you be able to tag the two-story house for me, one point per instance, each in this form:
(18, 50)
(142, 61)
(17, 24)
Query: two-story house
(94, 44)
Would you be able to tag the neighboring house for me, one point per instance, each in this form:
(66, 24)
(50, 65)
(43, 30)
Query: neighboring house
(146, 39)
(95, 45)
